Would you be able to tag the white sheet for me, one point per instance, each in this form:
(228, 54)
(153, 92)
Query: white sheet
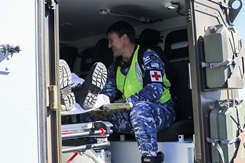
(102, 99)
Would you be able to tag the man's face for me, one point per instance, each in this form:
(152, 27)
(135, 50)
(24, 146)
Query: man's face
(116, 44)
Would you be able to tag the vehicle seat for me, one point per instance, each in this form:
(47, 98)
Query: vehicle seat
(103, 53)
(69, 54)
(86, 61)
(151, 38)
(176, 49)
(99, 53)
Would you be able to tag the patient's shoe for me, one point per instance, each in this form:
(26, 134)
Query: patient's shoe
(86, 94)
(67, 96)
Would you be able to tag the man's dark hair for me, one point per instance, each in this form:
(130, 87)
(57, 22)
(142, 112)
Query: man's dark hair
(122, 28)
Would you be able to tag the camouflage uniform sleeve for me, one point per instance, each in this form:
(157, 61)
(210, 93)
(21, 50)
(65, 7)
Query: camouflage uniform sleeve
(110, 88)
(153, 70)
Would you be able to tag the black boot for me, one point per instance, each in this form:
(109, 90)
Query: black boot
(153, 159)
(86, 94)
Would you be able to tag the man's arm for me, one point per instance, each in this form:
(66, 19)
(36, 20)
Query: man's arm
(153, 70)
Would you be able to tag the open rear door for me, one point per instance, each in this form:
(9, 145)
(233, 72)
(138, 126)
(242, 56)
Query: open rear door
(30, 120)
(216, 64)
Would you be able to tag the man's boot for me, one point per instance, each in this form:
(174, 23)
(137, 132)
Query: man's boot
(67, 96)
(153, 159)
(86, 94)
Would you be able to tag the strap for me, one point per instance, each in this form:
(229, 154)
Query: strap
(218, 64)
(240, 126)
(216, 143)
(140, 56)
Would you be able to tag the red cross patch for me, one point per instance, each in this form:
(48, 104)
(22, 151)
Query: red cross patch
(156, 76)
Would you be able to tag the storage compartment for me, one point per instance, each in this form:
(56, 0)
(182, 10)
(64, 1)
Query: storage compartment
(226, 120)
(224, 58)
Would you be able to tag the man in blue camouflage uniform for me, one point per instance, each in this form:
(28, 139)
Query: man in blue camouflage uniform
(141, 78)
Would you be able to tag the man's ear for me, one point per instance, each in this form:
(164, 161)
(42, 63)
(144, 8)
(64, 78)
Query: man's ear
(124, 37)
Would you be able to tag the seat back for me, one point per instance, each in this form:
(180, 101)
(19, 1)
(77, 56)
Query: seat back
(176, 49)
(151, 38)
(99, 53)
(87, 60)
(176, 59)
(69, 54)
(103, 53)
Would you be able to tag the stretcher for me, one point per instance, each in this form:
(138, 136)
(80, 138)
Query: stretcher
(97, 149)
(98, 131)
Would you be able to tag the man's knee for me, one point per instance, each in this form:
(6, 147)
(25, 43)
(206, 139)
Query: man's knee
(140, 106)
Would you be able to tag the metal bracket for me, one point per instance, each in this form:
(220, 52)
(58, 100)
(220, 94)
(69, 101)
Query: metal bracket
(218, 64)
(231, 13)
(8, 49)
(6, 53)
(51, 3)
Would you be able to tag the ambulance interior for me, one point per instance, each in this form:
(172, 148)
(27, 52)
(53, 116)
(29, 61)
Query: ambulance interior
(86, 42)
(161, 23)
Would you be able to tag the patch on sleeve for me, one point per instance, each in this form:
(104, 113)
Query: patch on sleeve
(152, 76)
(156, 76)
(153, 56)
(154, 65)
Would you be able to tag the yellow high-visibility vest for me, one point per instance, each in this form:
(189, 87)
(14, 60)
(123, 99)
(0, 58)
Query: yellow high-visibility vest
(131, 84)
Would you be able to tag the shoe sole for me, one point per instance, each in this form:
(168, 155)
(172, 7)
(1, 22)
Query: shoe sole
(67, 96)
(92, 85)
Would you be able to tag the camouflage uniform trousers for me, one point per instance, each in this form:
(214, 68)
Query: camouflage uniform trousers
(144, 120)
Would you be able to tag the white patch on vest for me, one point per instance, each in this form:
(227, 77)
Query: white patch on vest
(156, 76)
(139, 73)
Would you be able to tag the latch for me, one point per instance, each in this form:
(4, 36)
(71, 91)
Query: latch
(6, 53)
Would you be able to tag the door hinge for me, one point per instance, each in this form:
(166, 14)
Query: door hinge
(53, 99)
